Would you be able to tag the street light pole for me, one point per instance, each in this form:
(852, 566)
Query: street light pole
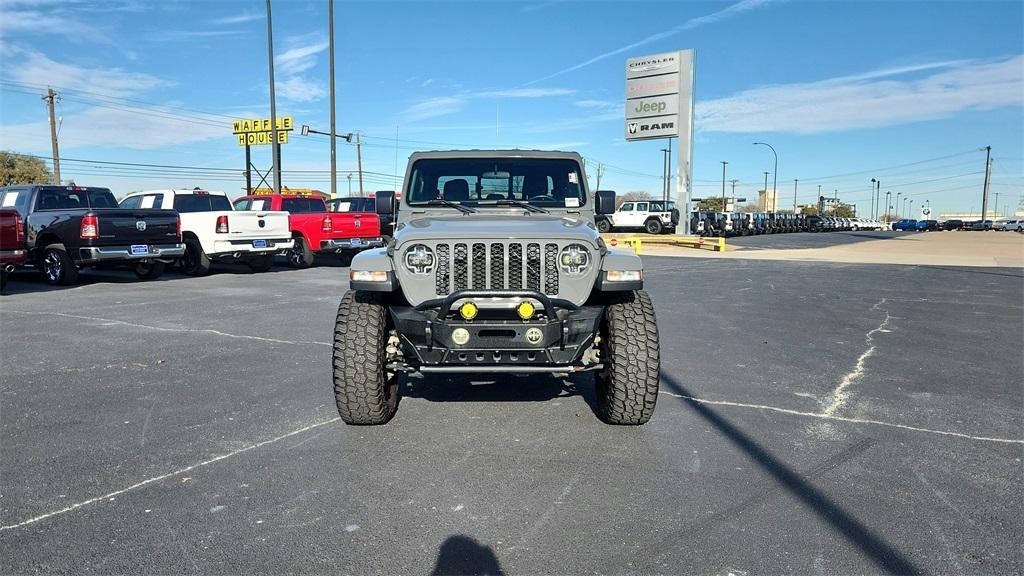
(733, 182)
(765, 191)
(873, 196)
(275, 148)
(899, 207)
(775, 174)
(724, 164)
(878, 198)
(334, 161)
(794, 195)
(887, 205)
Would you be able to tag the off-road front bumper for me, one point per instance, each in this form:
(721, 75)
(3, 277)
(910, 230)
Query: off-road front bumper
(498, 339)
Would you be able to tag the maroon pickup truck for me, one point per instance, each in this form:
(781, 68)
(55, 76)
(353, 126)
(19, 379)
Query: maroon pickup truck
(12, 243)
(315, 230)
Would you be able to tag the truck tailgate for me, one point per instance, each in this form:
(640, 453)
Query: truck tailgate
(249, 225)
(136, 226)
(354, 225)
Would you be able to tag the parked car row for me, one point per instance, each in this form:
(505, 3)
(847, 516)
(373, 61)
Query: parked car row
(61, 229)
(730, 224)
(911, 225)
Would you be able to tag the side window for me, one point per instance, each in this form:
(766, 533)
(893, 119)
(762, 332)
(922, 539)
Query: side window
(641, 207)
(627, 207)
(243, 204)
(316, 205)
(294, 205)
(150, 201)
(130, 203)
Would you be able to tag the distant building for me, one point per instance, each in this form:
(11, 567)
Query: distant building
(772, 203)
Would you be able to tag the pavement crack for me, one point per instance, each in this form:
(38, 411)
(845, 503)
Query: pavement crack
(840, 394)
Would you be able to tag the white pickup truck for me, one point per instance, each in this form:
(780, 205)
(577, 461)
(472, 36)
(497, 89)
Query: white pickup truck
(650, 215)
(212, 230)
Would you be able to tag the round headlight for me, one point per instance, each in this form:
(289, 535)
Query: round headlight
(574, 259)
(419, 259)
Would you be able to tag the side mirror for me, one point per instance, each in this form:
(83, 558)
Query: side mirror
(385, 202)
(604, 202)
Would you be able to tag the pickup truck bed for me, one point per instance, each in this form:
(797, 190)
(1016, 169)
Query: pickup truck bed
(71, 227)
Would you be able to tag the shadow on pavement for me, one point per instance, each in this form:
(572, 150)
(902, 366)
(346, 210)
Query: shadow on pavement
(884, 555)
(463, 555)
(799, 240)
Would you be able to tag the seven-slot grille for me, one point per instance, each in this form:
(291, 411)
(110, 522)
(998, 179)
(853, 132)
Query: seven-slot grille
(497, 266)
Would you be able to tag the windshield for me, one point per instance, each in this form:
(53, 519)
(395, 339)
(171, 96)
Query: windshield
(546, 183)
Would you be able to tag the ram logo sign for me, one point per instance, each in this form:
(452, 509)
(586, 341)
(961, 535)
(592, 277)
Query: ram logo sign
(658, 127)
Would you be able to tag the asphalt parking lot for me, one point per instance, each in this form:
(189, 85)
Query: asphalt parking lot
(826, 418)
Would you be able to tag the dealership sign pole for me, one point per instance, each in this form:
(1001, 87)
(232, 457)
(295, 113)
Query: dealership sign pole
(659, 104)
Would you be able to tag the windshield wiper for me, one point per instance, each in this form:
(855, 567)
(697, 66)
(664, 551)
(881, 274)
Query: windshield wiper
(450, 204)
(521, 204)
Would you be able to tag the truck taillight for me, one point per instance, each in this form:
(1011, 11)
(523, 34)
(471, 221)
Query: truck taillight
(19, 230)
(327, 225)
(90, 227)
(222, 224)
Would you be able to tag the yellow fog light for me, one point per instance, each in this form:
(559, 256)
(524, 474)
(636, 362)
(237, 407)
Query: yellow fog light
(468, 310)
(460, 336)
(525, 310)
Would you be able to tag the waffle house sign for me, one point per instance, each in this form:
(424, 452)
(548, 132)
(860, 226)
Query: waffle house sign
(257, 131)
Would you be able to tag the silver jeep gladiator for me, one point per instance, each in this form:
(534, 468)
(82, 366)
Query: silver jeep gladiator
(496, 266)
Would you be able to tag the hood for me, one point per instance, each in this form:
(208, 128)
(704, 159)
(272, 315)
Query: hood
(497, 227)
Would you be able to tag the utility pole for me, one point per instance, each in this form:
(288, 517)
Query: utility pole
(600, 172)
(887, 204)
(995, 209)
(988, 178)
(359, 159)
(50, 97)
(350, 184)
(334, 161)
(878, 198)
(724, 164)
(765, 192)
(733, 182)
(794, 194)
(899, 207)
(274, 146)
(835, 200)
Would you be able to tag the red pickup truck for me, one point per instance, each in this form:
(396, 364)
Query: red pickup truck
(12, 243)
(315, 230)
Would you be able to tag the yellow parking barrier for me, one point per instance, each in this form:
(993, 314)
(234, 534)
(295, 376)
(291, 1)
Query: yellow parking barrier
(637, 242)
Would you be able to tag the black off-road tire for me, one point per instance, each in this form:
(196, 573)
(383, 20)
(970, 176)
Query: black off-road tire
(653, 226)
(364, 391)
(604, 225)
(57, 267)
(149, 270)
(195, 262)
(261, 263)
(627, 386)
(300, 255)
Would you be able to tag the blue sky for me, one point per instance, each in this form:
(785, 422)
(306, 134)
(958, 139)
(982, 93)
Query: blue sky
(844, 91)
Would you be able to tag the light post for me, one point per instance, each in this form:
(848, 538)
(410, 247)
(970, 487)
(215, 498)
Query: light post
(275, 147)
(765, 192)
(724, 164)
(910, 208)
(306, 131)
(887, 205)
(794, 194)
(878, 198)
(775, 174)
(899, 207)
(872, 195)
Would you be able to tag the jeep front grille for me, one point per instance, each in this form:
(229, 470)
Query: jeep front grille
(497, 266)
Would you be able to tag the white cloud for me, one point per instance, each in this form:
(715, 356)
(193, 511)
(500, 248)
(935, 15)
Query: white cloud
(136, 128)
(432, 108)
(178, 35)
(872, 100)
(733, 10)
(598, 105)
(299, 58)
(440, 106)
(239, 18)
(33, 68)
(41, 23)
(299, 89)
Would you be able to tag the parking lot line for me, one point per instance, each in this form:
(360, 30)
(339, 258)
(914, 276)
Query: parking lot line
(165, 329)
(823, 416)
(178, 472)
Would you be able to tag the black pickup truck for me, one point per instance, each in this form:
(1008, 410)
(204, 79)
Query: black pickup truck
(72, 227)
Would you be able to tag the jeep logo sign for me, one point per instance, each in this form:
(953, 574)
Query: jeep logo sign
(654, 106)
